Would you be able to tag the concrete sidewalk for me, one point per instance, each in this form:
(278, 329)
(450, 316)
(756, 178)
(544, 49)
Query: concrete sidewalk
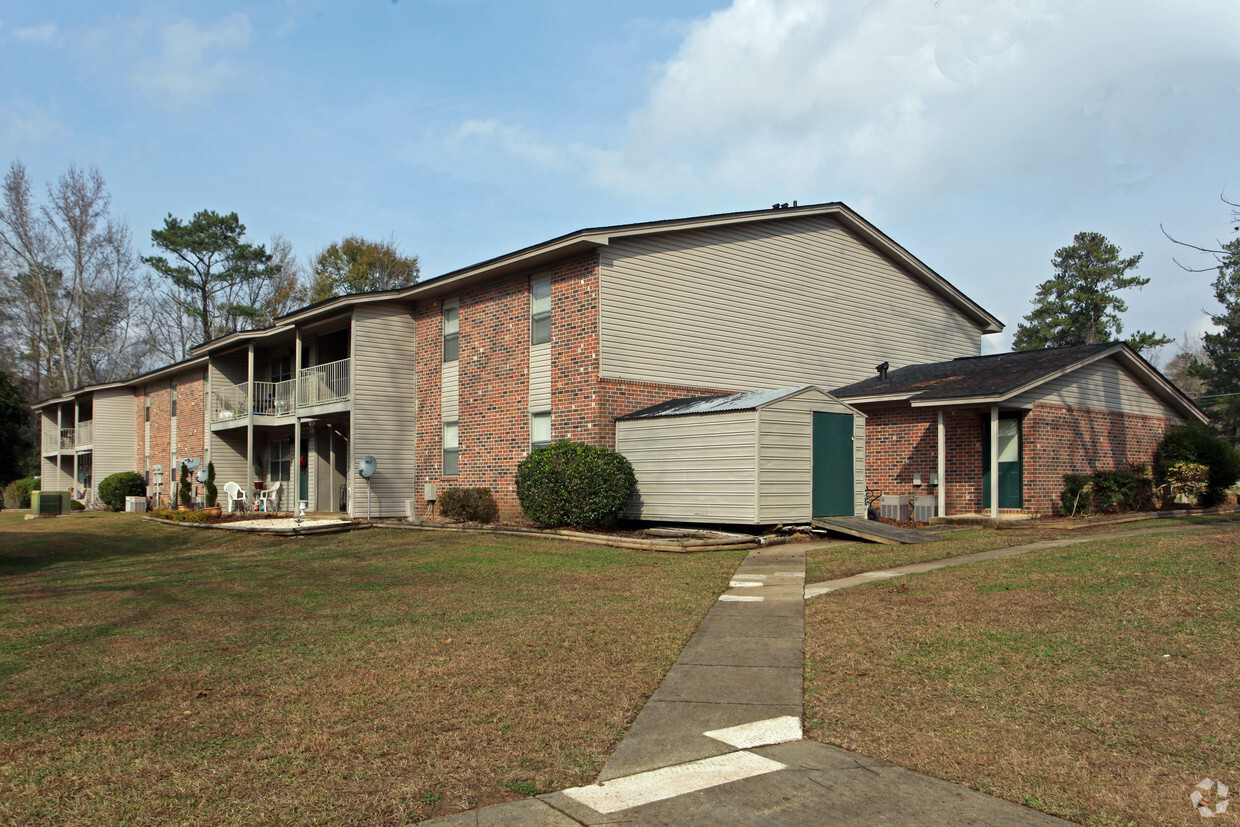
(720, 742)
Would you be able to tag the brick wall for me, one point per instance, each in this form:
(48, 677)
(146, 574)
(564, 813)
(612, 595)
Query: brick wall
(1056, 441)
(1061, 440)
(494, 434)
(191, 421)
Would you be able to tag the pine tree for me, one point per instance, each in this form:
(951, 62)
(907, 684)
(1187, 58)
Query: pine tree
(1078, 306)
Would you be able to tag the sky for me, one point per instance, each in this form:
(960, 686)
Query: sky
(981, 135)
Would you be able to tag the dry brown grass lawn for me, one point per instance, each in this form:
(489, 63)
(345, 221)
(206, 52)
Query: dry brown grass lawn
(152, 675)
(1096, 682)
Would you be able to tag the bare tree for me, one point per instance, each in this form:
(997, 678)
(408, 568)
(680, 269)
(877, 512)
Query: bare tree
(68, 293)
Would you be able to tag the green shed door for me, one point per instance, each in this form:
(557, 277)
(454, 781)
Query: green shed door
(833, 465)
(1010, 451)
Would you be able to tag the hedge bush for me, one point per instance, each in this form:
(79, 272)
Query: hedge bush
(17, 493)
(572, 484)
(1109, 491)
(114, 489)
(1196, 443)
(468, 505)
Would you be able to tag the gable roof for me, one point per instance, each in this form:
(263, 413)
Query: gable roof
(593, 238)
(999, 377)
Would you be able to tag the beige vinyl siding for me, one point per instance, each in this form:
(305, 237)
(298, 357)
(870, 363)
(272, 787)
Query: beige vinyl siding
(230, 368)
(1103, 385)
(450, 391)
(52, 477)
(692, 468)
(228, 454)
(540, 377)
(765, 305)
(785, 456)
(115, 433)
(384, 407)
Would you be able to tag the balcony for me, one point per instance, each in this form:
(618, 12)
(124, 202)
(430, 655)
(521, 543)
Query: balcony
(317, 385)
(67, 441)
(85, 436)
(323, 384)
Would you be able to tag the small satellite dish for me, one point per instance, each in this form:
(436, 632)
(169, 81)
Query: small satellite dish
(191, 463)
(201, 475)
(366, 467)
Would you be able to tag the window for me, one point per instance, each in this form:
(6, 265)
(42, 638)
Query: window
(451, 334)
(173, 404)
(540, 429)
(451, 450)
(146, 397)
(540, 310)
(281, 461)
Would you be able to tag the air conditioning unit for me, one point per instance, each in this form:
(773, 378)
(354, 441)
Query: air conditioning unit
(46, 503)
(895, 507)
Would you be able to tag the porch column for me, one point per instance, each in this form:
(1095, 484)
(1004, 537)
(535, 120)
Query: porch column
(249, 424)
(296, 475)
(77, 423)
(942, 446)
(994, 461)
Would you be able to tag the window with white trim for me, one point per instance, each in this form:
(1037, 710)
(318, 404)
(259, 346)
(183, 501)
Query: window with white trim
(451, 334)
(540, 310)
(451, 449)
(540, 429)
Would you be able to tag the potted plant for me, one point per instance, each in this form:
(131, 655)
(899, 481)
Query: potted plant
(258, 476)
(212, 492)
(183, 490)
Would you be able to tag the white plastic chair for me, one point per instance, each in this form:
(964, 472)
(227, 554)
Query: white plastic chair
(235, 494)
(271, 497)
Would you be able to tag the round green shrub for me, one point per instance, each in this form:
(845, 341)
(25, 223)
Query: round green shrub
(1197, 443)
(468, 505)
(114, 489)
(17, 493)
(573, 484)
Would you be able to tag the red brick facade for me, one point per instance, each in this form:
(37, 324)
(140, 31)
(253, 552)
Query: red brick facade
(1055, 440)
(190, 421)
(494, 379)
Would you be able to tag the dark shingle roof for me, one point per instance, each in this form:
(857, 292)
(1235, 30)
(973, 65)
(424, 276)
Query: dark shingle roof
(972, 376)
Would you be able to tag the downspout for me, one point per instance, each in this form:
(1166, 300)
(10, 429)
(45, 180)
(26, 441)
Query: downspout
(942, 469)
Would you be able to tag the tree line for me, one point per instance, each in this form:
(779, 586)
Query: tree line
(79, 307)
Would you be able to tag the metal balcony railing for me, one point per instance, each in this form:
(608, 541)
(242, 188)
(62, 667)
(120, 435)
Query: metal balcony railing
(66, 439)
(273, 398)
(320, 384)
(229, 402)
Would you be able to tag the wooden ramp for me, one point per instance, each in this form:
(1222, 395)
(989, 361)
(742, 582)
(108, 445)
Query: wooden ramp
(871, 530)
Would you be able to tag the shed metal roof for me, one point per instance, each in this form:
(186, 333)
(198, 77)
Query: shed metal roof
(689, 406)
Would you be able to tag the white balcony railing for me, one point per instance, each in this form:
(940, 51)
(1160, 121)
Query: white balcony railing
(321, 384)
(229, 402)
(273, 398)
(85, 433)
(66, 439)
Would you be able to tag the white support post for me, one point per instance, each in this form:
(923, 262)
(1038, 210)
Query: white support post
(994, 461)
(942, 446)
(249, 425)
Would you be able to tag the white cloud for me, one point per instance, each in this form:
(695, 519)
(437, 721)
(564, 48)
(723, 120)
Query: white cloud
(25, 126)
(42, 34)
(191, 61)
(925, 100)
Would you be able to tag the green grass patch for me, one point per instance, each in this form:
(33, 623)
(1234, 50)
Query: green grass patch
(152, 674)
(1098, 682)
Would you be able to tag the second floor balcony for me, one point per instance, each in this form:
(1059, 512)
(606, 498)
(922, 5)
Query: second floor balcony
(68, 439)
(314, 386)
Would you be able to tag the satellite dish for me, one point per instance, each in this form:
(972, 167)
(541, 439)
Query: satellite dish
(191, 463)
(366, 467)
(202, 475)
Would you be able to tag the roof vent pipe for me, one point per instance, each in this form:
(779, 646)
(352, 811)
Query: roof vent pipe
(882, 371)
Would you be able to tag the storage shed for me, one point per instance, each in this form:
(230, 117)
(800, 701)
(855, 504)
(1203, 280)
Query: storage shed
(760, 457)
